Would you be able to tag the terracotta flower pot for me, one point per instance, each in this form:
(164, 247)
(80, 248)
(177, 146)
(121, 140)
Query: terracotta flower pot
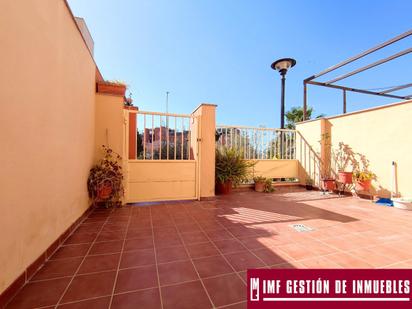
(363, 185)
(104, 191)
(345, 177)
(259, 186)
(328, 184)
(224, 188)
(111, 88)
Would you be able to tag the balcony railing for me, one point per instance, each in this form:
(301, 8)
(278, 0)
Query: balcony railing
(164, 136)
(258, 143)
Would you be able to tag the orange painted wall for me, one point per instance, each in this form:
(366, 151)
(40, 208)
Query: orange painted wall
(47, 104)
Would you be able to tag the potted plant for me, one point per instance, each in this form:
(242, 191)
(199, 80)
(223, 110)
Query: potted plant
(263, 184)
(328, 184)
(309, 184)
(363, 180)
(259, 183)
(112, 87)
(230, 169)
(268, 186)
(343, 157)
(105, 182)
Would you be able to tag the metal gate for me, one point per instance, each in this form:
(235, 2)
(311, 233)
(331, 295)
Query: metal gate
(164, 163)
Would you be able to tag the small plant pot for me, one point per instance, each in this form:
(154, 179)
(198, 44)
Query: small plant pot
(363, 185)
(111, 88)
(309, 187)
(345, 177)
(259, 186)
(224, 188)
(328, 184)
(104, 192)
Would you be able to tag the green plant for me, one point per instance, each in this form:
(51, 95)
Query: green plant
(309, 181)
(266, 181)
(268, 186)
(295, 115)
(361, 176)
(259, 179)
(106, 176)
(230, 166)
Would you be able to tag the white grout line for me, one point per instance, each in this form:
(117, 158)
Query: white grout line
(155, 255)
(120, 258)
(81, 263)
(221, 253)
(185, 210)
(193, 265)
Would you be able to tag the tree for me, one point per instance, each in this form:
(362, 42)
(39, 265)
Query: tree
(295, 115)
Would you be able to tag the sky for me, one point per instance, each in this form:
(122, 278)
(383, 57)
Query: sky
(220, 51)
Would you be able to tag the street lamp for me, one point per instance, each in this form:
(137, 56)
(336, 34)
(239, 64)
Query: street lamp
(282, 65)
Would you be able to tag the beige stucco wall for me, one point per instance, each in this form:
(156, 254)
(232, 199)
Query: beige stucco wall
(308, 151)
(161, 180)
(276, 168)
(110, 123)
(381, 134)
(47, 90)
(206, 151)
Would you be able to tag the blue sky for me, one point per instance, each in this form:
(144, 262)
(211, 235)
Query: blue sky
(220, 51)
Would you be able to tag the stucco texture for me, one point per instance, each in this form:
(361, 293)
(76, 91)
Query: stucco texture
(381, 135)
(47, 101)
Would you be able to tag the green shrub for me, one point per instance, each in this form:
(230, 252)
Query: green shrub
(230, 166)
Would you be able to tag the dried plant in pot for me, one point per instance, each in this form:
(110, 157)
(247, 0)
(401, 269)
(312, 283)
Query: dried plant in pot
(309, 184)
(345, 159)
(105, 182)
(230, 169)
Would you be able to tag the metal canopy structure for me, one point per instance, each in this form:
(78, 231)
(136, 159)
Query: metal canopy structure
(330, 83)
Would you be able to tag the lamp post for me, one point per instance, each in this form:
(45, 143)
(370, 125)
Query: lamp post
(282, 66)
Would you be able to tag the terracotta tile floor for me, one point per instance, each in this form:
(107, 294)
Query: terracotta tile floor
(195, 254)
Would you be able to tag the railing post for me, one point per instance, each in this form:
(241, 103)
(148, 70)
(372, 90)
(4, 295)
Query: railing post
(132, 140)
(344, 101)
(305, 100)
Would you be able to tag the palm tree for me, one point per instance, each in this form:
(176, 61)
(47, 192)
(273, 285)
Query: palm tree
(295, 115)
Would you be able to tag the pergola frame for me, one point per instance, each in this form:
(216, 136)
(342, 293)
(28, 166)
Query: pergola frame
(330, 84)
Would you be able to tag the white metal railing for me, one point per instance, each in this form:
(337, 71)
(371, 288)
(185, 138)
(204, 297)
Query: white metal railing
(258, 143)
(164, 136)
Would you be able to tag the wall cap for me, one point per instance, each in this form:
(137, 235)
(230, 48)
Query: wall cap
(110, 88)
(135, 108)
(371, 109)
(80, 32)
(204, 104)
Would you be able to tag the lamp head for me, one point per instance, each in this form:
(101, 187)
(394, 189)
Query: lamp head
(283, 65)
